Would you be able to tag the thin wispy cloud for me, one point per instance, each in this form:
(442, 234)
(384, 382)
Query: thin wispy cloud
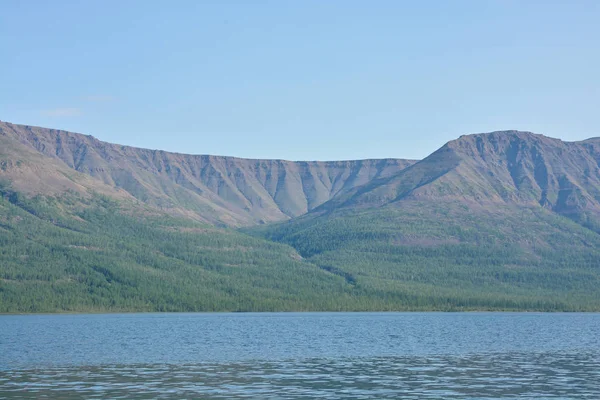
(62, 112)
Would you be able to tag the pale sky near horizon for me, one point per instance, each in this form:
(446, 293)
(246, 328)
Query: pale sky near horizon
(304, 79)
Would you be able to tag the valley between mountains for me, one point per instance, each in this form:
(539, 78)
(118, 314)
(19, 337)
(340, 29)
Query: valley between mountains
(504, 220)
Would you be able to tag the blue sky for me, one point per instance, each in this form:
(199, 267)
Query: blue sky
(301, 80)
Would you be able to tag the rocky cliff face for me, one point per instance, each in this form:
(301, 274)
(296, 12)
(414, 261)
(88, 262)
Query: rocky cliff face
(528, 168)
(508, 167)
(219, 190)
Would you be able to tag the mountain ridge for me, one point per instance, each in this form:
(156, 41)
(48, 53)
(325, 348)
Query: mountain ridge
(497, 221)
(493, 167)
(500, 167)
(241, 191)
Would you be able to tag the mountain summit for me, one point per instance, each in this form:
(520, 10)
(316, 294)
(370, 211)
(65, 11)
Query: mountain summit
(505, 167)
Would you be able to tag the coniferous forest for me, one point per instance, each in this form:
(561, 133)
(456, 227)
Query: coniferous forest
(104, 258)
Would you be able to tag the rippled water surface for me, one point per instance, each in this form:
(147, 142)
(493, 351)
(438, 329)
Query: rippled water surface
(307, 355)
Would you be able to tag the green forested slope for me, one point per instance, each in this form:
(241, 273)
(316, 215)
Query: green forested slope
(101, 258)
(449, 256)
(71, 254)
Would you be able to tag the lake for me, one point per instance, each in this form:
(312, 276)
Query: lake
(301, 355)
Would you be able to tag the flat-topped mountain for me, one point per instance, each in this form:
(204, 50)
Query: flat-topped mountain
(497, 167)
(219, 190)
(496, 221)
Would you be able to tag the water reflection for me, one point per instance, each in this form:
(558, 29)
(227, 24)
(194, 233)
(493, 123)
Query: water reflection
(561, 375)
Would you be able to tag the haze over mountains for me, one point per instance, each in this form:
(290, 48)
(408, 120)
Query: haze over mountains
(500, 220)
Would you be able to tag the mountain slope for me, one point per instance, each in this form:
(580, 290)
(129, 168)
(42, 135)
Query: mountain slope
(505, 218)
(509, 167)
(64, 254)
(451, 256)
(219, 190)
(33, 173)
(499, 221)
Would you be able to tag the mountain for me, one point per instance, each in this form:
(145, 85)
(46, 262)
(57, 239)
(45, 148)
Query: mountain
(219, 190)
(92, 226)
(497, 221)
(508, 167)
(506, 218)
